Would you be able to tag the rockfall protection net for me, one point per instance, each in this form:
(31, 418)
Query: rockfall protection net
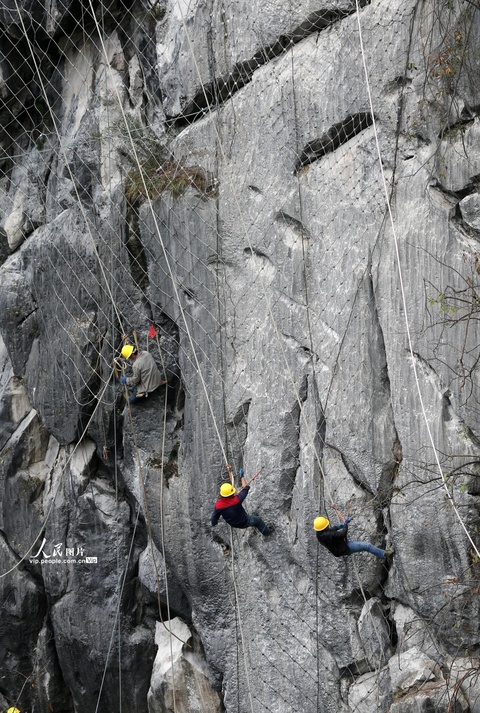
(213, 157)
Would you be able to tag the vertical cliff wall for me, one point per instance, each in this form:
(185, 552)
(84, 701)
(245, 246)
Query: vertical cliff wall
(288, 193)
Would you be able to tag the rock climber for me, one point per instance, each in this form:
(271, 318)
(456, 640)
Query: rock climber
(334, 538)
(145, 377)
(229, 506)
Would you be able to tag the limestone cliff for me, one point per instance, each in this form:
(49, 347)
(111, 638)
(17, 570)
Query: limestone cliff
(288, 193)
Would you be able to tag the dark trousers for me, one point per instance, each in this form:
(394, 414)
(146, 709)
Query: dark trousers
(255, 521)
(133, 398)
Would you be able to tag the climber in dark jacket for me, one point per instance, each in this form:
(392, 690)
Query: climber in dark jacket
(229, 506)
(336, 541)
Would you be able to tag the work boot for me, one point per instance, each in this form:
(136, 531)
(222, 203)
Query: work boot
(390, 552)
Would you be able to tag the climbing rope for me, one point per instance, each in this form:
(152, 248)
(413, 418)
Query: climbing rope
(403, 296)
(195, 346)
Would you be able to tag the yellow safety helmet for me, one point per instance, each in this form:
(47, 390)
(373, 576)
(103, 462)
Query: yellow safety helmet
(226, 490)
(320, 523)
(127, 351)
(13, 710)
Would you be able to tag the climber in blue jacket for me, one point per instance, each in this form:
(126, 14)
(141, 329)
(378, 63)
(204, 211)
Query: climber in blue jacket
(335, 540)
(229, 506)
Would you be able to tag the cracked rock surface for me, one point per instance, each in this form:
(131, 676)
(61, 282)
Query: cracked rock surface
(213, 170)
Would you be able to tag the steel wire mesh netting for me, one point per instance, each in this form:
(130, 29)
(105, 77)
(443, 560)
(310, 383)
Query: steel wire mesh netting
(219, 171)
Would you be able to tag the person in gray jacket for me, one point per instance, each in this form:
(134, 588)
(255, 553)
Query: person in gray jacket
(145, 376)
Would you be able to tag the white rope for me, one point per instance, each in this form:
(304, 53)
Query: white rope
(240, 626)
(289, 371)
(402, 291)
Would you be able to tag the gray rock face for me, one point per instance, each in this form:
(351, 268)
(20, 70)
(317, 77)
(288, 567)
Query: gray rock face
(222, 173)
(179, 681)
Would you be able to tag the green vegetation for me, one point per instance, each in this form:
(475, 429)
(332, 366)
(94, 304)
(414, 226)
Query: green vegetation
(463, 301)
(153, 171)
(152, 178)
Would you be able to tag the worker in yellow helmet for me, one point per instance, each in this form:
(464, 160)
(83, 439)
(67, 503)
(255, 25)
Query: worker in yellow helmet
(229, 506)
(145, 376)
(334, 538)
